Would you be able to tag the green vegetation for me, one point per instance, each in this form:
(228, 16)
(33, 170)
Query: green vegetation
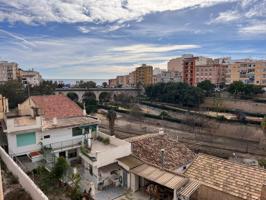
(207, 87)
(262, 163)
(60, 168)
(104, 140)
(239, 89)
(176, 93)
(164, 114)
(86, 84)
(14, 91)
(17, 93)
(111, 117)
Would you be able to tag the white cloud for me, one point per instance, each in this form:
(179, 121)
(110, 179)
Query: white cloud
(255, 28)
(227, 16)
(144, 48)
(43, 11)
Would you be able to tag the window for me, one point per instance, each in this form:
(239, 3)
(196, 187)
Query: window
(26, 139)
(72, 153)
(76, 131)
(46, 137)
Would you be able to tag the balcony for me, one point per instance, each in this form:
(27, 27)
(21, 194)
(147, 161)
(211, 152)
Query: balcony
(63, 145)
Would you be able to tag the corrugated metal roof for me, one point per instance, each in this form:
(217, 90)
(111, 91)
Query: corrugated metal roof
(189, 189)
(130, 161)
(159, 176)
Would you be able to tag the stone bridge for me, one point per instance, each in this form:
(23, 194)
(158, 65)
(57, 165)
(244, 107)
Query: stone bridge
(98, 93)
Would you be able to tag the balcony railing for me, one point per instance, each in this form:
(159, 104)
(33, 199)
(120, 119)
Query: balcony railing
(64, 144)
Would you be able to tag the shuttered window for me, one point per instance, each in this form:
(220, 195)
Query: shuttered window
(26, 139)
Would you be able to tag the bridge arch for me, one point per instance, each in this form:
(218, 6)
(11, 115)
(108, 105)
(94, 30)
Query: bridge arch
(105, 97)
(89, 96)
(73, 96)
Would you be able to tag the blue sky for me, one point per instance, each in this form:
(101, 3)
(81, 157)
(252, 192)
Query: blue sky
(101, 39)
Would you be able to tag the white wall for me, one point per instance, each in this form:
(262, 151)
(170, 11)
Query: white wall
(14, 149)
(57, 136)
(24, 180)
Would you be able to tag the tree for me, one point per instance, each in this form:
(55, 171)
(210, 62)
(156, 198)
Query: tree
(86, 84)
(14, 91)
(104, 84)
(207, 87)
(238, 88)
(73, 96)
(45, 88)
(164, 114)
(60, 168)
(111, 117)
(177, 93)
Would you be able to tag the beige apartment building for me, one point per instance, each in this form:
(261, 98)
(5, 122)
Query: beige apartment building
(248, 71)
(144, 75)
(197, 69)
(8, 71)
(175, 65)
(29, 77)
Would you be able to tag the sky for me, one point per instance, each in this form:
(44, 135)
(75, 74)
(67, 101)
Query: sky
(100, 39)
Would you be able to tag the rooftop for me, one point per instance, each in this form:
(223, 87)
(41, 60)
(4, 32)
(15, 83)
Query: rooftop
(70, 122)
(233, 178)
(148, 149)
(58, 106)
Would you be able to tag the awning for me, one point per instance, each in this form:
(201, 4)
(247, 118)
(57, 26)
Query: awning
(129, 162)
(162, 177)
(189, 189)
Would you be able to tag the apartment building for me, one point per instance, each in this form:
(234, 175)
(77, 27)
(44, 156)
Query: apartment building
(8, 71)
(112, 83)
(175, 64)
(132, 79)
(167, 76)
(189, 69)
(29, 77)
(144, 75)
(123, 80)
(248, 71)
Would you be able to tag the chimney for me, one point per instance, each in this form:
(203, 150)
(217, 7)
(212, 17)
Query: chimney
(162, 158)
(84, 110)
(54, 121)
(263, 192)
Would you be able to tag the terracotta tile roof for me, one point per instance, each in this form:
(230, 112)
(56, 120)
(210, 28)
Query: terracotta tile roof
(148, 149)
(227, 176)
(57, 106)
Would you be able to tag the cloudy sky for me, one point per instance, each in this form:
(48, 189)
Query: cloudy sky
(104, 38)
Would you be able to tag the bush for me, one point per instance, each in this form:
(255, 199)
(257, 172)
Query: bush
(262, 163)
(221, 118)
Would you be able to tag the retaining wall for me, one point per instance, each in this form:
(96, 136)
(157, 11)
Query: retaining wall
(23, 178)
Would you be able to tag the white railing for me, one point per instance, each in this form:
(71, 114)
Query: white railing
(64, 144)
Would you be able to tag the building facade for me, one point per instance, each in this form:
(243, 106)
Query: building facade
(53, 123)
(29, 77)
(167, 76)
(248, 71)
(144, 75)
(8, 71)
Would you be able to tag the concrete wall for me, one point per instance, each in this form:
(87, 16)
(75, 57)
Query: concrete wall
(244, 105)
(208, 193)
(24, 180)
(1, 187)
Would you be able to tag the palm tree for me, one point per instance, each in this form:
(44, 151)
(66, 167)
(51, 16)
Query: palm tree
(111, 116)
